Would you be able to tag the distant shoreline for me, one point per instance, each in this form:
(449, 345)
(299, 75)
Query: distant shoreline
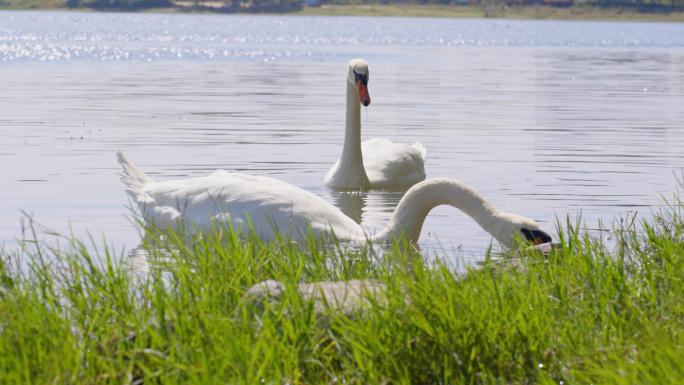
(545, 12)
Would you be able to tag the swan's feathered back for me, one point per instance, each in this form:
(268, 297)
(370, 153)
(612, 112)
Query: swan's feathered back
(224, 197)
(392, 165)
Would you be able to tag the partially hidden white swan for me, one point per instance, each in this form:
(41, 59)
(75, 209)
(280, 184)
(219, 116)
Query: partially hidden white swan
(378, 164)
(273, 206)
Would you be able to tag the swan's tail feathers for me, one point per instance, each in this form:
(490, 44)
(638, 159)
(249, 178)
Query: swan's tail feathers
(419, 146)
(130, 175)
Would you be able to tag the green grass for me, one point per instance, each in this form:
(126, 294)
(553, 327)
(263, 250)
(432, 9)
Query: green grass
(582, 315)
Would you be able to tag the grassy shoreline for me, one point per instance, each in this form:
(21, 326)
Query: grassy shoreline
(546, 12)
(514, 12)
(582, 314)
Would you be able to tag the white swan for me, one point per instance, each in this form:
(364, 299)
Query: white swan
(377, 164)
(274, 206)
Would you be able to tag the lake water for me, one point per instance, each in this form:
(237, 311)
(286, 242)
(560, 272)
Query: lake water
(546, 119)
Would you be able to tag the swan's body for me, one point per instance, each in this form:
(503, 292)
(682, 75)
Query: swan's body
(376, 164)
(222, 197)
(273, 206)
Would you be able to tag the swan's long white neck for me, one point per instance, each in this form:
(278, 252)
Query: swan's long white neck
(409, 216)
(351, 159)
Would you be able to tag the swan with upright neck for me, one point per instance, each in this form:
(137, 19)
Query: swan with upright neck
(377, 164)
(271, 206)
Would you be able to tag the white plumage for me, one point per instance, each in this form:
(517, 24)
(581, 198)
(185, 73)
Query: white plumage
(378, 164)
(273, 206)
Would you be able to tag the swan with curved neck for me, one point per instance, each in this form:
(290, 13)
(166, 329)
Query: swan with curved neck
(272, 206)
(376, 163)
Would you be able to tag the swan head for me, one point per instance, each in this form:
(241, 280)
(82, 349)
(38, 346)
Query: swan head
(536, 237)
(357, 74)
(524, 229)
(512, 230)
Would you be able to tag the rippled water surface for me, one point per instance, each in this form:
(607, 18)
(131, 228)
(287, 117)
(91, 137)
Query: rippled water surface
(545, 118)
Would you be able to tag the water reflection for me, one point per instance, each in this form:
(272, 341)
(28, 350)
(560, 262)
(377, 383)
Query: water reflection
(138, 259)
(150, 255)
(379, 208)
(351, 203)
(372, 209)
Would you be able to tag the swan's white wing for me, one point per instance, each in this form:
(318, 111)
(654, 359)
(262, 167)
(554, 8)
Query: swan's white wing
(269, 204)
(393, 165)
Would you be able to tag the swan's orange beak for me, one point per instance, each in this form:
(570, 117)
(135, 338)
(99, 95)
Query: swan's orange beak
(538, 241)
(364, 98)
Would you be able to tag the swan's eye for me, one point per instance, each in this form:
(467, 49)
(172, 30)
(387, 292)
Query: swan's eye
(537, 237)
(363, 78)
